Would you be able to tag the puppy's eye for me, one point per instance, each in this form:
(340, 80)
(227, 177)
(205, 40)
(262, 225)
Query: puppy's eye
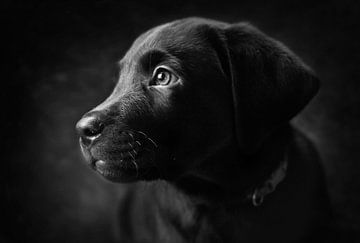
(163, 76)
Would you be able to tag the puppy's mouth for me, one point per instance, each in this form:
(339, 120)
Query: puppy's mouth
(132, 160)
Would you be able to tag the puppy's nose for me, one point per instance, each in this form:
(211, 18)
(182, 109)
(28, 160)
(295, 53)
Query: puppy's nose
(89, 128)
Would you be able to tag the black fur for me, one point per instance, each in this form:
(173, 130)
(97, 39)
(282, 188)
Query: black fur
(211, 138)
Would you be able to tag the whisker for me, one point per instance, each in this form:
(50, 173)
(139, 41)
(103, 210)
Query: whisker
(142, 133)
(132, 156)
(152, 141)
(131, 146)
(148, 138)
(131, 135)
(136, 167)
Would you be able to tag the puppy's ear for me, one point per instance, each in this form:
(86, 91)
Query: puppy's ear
(270, 84)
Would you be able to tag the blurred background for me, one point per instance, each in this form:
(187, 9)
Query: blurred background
(57, 64)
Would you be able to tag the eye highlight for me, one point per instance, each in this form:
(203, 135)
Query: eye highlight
(163, 76)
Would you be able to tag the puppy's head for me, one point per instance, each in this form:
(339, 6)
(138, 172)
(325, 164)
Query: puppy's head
(186, 91)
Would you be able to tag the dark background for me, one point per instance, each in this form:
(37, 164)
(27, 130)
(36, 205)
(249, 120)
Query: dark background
(57, 63)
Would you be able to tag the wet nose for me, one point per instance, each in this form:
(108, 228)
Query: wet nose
(89, 128)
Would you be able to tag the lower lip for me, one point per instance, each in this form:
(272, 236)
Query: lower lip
(100, 164)
(103, 166)
(113, 172)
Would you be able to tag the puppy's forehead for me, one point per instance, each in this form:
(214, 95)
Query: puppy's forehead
(177, 36)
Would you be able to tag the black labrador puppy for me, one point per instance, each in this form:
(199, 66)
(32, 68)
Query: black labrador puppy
(199, 119)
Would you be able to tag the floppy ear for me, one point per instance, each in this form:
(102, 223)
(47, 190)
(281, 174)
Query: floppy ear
(270, 84)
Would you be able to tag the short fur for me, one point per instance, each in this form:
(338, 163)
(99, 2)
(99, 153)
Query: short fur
(210, 139)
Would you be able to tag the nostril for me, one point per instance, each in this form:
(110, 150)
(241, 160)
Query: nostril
(93, 130)
(89, 127)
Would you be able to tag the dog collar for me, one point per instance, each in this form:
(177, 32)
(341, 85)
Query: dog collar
(258, 194)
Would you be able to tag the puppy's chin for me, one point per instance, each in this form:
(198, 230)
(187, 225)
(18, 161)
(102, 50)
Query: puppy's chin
(117, 172)
(123, 169)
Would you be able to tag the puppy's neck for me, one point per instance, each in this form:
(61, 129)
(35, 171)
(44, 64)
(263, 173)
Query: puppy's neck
(228, 175)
